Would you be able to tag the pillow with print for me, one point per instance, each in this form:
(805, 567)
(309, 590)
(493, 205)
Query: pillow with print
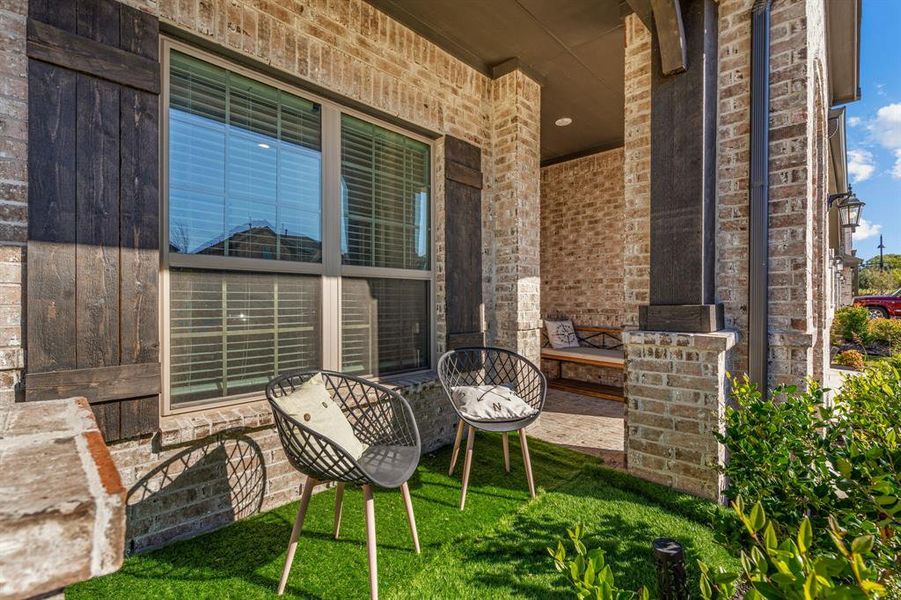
(561, 334)
(313, 407)
(491, 403)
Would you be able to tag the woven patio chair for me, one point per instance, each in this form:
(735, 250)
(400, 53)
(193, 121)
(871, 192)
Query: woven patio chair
(492, 367)
(381, 419)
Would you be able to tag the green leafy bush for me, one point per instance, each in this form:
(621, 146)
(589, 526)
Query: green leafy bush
(588, 572)
(885, 332)
(851, 359)
(790, 568)
(801, 457)
(850, 324)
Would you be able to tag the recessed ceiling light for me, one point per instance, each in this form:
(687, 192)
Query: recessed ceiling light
(263, 146)
(563, 122)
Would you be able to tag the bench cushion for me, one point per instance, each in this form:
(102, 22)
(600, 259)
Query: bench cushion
(606, 357)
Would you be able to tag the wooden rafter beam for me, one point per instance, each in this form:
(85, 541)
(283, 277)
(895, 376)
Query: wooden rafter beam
(671, 35)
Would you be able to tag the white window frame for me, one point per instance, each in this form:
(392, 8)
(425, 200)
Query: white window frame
(331, 270)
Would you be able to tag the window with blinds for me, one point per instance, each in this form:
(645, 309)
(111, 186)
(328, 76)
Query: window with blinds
(384, 325)
(230, 332)
(384, 197)
(245, 163)
(258, 236)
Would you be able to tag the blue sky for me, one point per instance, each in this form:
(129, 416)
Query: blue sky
(874, 129)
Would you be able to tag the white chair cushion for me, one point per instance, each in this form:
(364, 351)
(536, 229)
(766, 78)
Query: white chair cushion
(312, 406)
(561, 334)
(491, 403)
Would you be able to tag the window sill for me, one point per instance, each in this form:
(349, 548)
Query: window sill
(186, 428)
(176, 430)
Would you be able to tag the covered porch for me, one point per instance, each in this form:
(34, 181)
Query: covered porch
(213, 194)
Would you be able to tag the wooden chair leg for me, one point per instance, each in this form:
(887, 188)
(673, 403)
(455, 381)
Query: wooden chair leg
(467, 464)
(456, 451)
(528, 461)
(411, 519)
(339, 501)
(308, 486)
(369, 507)
(506, 441)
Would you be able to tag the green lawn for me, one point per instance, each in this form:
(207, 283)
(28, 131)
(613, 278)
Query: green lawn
(495, 549)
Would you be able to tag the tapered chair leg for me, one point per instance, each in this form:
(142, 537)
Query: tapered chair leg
(411, 519)
(339, 501)
(467, 464)
(369, 507)
(456, 451)
(308, 486)
(506, 441)
(528, 461)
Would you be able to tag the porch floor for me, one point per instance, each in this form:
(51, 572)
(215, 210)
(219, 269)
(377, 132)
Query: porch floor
(589, 425)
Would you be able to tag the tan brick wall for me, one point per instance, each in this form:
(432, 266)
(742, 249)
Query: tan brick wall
(637, 170)
(676, 393)
(353, 51)
(582, 240)
(13, 193)
(733, 154)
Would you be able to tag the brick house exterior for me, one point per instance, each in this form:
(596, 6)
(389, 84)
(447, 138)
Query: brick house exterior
(569, 238)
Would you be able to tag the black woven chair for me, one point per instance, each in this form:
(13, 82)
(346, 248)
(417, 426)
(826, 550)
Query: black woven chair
(380, 418)
(492, 366)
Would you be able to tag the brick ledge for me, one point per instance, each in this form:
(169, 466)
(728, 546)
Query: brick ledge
(82, 503)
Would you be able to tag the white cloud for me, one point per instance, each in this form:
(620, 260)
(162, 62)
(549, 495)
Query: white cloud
(886, 127)
(853, 121)
(866, 230)
(861, 165)
(896, 168)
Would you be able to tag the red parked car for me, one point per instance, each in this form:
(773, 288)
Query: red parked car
(881, 307)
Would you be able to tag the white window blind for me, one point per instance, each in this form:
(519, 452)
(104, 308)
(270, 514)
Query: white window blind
(385, 197)
(230, 332)
(245, 163)
(384, 325)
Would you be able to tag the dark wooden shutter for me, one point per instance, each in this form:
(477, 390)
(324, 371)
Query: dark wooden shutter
(463, 241)
(93, 210)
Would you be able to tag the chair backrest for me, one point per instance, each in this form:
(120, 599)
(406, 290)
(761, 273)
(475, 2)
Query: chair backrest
(377, 415)
(492, 366)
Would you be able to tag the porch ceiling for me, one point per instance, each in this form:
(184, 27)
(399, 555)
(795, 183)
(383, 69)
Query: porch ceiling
(575, 47)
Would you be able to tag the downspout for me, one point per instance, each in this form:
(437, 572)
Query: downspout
(758, 280)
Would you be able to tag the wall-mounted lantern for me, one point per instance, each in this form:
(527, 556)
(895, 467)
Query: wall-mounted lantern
(848, 208)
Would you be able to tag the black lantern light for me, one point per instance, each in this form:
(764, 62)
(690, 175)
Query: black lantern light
(848, 208)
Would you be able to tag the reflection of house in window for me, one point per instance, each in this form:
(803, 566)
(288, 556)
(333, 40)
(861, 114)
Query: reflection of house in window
(257, 239)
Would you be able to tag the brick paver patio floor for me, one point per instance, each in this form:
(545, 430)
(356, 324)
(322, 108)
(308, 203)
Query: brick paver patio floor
(590, 425)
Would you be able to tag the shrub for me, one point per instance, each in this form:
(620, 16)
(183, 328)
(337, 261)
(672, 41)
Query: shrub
(790, 568)
(885, 332)
(801, 457)
(851, 359)
(850, 324)
(588, 573)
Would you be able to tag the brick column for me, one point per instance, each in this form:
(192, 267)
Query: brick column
(516, 209)
(797, 51)
(676, 389)
(637, 169)
(14, 196)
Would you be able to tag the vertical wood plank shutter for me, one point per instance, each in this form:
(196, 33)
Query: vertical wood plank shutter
(463, 240)
(93, 210)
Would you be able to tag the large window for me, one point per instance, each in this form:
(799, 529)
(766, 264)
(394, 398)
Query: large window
(298, 236)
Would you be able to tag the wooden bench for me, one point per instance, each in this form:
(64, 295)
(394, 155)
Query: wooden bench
(598, 347)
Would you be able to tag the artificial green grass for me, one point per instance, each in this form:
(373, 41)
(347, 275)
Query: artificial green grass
(494, 549)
